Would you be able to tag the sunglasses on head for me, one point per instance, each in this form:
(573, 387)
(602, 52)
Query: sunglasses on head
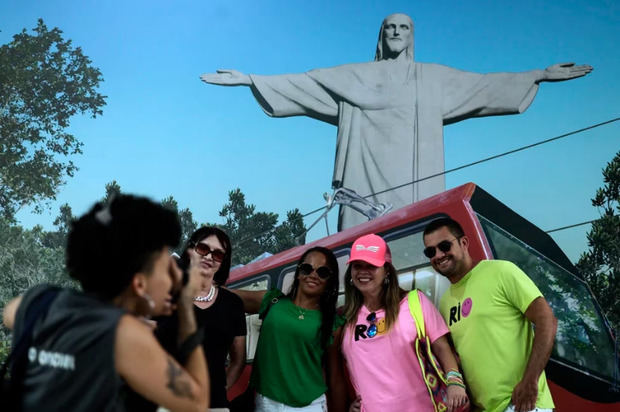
(306, 269)
(203, 250)
(444, 246)
(372, 328)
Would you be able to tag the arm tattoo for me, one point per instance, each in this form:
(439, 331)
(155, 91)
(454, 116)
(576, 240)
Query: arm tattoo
(176, 382)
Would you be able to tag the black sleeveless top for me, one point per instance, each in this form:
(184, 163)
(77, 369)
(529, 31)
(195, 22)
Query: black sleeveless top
(71, 361)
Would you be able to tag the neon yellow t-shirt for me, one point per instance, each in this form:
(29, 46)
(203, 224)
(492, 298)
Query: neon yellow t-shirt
(485, 314)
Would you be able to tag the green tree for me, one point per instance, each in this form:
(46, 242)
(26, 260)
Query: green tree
(186, 219)
(252, 233)
(44, 81)
(111, 189)
(24, 262)
(600, 265)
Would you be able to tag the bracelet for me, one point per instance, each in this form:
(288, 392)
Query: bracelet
(456, 384)
(188, 345)
(452, 372)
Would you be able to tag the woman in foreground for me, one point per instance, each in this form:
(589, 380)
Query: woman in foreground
(91, 344)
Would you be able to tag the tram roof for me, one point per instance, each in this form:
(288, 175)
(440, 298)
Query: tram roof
(459, 200)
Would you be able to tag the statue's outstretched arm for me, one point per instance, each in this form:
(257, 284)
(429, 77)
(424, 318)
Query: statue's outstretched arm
(564, 71)
(227, 78)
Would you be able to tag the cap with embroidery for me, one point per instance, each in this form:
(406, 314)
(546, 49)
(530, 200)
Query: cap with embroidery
(371, 249)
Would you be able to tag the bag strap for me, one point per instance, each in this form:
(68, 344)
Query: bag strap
(37, 309)
(416, 312)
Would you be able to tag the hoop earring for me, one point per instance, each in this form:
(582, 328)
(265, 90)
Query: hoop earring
(350, 280)
(386, 281)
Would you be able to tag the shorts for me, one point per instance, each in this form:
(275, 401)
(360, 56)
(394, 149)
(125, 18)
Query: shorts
(264, 404)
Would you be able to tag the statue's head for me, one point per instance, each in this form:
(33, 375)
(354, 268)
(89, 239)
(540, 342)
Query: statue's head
(395, 37)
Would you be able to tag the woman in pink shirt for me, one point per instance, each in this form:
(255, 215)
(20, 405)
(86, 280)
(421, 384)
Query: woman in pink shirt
(379, 335)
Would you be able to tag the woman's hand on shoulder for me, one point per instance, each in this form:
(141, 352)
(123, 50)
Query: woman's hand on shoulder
(457, 398)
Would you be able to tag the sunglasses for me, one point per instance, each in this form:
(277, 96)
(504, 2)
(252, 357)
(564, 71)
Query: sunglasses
(372, 328)
(306, 269)
(203, 250)
(444, 246)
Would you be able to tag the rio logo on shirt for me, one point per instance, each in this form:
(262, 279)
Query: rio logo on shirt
(460, 310)
(361, 330)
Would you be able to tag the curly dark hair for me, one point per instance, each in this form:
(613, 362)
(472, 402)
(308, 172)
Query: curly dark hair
(108, 245)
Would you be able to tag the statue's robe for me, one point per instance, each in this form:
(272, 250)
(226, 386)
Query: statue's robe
(390, 117)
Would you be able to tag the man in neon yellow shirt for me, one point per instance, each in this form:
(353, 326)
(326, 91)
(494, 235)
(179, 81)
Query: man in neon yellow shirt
(489, 309)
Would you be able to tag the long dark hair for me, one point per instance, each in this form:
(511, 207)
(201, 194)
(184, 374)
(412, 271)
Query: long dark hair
(329, 297)
(221, 276)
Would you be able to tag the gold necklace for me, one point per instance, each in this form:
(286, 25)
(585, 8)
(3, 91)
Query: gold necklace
(302, 312)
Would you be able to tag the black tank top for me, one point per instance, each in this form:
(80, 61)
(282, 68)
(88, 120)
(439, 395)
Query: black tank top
(71, 361)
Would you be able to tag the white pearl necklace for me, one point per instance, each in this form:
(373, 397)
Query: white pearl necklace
(207, 298)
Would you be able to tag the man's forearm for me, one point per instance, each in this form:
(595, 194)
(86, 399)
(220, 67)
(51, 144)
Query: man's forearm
(541, 315)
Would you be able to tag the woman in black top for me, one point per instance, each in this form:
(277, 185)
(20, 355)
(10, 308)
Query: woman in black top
(217, 310)
(91, 344)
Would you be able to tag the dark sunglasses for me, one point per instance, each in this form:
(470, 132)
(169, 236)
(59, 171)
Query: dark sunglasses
(372, 328)
(306, 269)
(203, 250)
(444, 246)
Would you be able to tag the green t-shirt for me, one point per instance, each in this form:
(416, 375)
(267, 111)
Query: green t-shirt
(485, 314)
(288, 360)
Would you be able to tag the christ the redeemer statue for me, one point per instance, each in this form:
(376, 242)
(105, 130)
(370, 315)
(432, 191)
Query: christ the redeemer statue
(390, 113)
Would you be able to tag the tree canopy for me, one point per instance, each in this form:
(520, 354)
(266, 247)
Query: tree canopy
(253, 233)
(44, 81)
(600, 265)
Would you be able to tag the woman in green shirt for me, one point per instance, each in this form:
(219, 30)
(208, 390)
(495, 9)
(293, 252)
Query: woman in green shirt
(296, 344)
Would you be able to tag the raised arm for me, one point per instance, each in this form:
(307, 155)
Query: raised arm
(225, 77)
(155, 374)
(564, 71)
(8, 315)
(539, 313)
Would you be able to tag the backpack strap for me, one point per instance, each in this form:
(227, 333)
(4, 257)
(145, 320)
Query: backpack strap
(416, 312)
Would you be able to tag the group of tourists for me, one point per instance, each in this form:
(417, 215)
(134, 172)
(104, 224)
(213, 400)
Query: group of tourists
(150, 329)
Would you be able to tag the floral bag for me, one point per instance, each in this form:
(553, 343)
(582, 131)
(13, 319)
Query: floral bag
(434, 376)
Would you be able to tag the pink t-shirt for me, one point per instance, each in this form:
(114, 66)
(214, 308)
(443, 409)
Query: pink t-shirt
(384, 369)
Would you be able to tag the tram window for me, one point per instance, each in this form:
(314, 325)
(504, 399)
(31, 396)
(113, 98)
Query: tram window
(257, 284)
(407, 251)
(582, 338)
(405, 280)
(413, 268)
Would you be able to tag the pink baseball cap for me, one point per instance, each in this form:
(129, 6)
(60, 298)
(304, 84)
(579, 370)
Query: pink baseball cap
(371, 249)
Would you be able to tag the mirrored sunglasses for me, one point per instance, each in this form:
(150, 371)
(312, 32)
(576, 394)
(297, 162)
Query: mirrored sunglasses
(306, 269)
(444, 246)
(372, 328)
(203, 250)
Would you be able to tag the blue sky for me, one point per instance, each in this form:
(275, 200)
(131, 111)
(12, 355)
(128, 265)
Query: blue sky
(163, 132)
